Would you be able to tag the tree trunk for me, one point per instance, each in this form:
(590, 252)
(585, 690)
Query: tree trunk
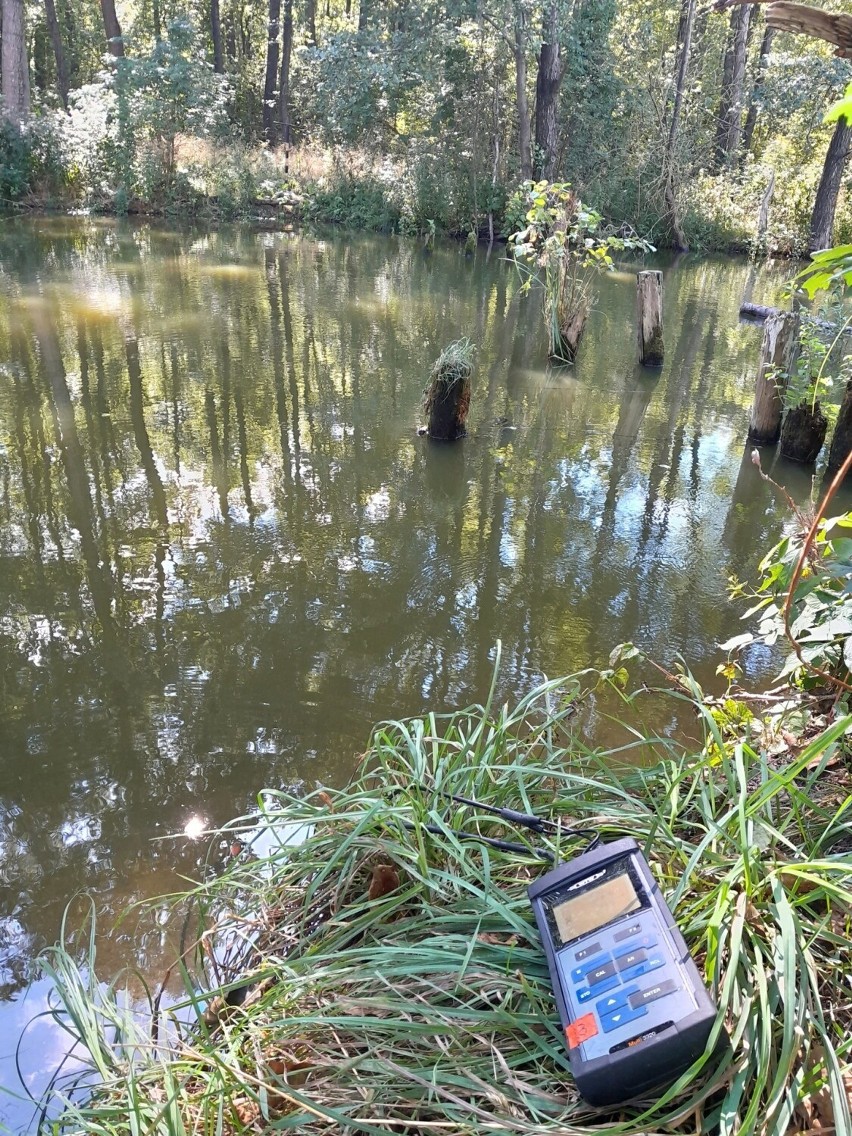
(729, 121)
(825, 205)
(271, 71)
(551, 72)
(311, 21)
(777, 352)
(157, 20)
(763, 212)
(62, 81)
(685, 29)
(363, 15)
(115, 44)
(757, 90)
(803, 433)
(841, 443)
(521, 97)
(284, 85)
(649, 294)
(14, 64)
(216, 36)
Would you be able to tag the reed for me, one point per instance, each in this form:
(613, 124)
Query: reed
(396, 981)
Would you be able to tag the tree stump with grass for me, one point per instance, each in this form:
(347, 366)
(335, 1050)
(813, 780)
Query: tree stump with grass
(777, 352)
(803, 432)
(446, 400)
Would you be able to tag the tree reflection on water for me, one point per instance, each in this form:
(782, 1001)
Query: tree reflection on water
(225, 550)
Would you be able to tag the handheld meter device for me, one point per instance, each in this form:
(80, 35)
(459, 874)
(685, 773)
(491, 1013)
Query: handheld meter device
(634, 1010)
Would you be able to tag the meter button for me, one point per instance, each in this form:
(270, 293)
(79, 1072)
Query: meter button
(632, 958)
(619, 998)
(644, 943)
(580, 972)
(588, 952)
(652, 963)
(626, 932)
(651, 993)
(583, 994)
(621, 1017)
(600, 973)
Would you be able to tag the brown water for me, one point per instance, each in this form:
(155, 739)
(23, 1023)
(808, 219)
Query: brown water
(225, 551)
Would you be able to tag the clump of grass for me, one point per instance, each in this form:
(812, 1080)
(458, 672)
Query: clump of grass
(424, 1005)
(446, 399)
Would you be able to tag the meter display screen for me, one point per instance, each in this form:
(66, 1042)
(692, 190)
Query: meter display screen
(596, 907)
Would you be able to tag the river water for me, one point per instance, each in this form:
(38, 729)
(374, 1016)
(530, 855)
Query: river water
(225, 551)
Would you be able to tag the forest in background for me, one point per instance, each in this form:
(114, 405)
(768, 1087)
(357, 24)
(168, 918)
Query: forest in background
(694, 126)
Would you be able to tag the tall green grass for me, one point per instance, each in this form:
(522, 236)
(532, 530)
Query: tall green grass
(428, 1009)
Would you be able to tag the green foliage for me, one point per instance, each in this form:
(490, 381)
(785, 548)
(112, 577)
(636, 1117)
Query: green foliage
(429, 1006)
(830, 268)
(820, 609)
(30, 160)
(359, 203)
(841, 109)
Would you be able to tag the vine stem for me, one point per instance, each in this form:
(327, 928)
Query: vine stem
(800, 564)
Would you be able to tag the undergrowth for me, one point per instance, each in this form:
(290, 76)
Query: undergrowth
(373, 976)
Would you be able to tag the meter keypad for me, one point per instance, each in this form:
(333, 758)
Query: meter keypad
(605, 973)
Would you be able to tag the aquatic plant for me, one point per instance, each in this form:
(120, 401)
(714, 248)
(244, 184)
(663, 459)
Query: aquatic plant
(384, 974)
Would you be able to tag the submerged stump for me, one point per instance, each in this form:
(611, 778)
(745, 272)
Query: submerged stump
(803, 433)
(777, 352)
(649, 296)
(446, 399)
(841, 442)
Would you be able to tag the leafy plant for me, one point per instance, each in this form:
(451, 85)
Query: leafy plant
(562, 246)
(820, 607)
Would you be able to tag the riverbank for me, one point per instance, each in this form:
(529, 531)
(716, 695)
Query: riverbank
(372, 976)
(363, 191)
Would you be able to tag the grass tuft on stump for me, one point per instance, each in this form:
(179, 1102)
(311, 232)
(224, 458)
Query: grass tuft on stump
(397, 983)
(446, 400)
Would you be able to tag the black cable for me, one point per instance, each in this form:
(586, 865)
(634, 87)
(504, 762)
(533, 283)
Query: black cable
(491, 841)
(536, 824)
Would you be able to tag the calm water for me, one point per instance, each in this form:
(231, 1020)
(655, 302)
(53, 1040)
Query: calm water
(225, 551)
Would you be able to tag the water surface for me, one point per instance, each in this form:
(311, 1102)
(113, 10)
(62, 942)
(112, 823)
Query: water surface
(225, 551)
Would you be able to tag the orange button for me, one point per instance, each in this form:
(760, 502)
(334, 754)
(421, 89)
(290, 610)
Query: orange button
(581, 1030)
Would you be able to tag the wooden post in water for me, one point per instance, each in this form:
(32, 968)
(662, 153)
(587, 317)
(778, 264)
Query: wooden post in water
(649, 292)
(803, 432)
(841, 442)
(777, 352)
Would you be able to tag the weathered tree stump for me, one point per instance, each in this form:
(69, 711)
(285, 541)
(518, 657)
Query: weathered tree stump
(803, 432)
(446, 399)
(649, 293)
(571, 328)
(841, 442)
(777, 353)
